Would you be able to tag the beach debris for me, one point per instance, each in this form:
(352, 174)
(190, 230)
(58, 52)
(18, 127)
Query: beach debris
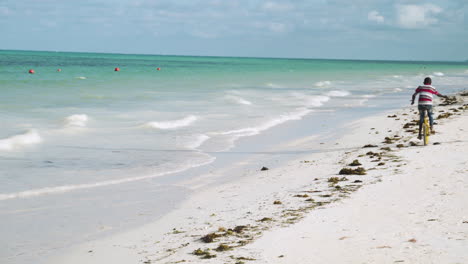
(223, 247)
(240, 229)
(465, 222)
(464, 93)
(204, 254)
(343, 238)
(444, 115)
(386, 148)
(335, 180)
(412, 240)
(264, 169)
(400, 146)
(432, 220)
(381, 164)
(370, 146)
(436, 143)
(277, 202)
(450, 100)
(301, 195)
(412, 143)
(357, 181)
(210, 237)
(382, 247)
(392, 116)
(310, 200)
(357, 171)
(355, 163)
(265, 219)
(281, 256)
(175, 231)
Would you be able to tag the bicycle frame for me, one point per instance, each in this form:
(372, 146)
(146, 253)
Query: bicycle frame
(426, 129)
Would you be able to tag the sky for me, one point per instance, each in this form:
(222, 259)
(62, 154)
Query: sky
(334, 29)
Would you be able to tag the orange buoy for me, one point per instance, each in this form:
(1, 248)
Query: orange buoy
(59, 70)
(158, 69)
(117, 69)
(31, 71)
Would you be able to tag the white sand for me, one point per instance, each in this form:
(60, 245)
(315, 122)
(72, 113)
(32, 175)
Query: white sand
(412, 209)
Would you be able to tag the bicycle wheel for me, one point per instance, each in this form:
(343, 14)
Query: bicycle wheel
(425, 134)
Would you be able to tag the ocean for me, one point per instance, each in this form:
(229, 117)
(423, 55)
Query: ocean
(86, 150)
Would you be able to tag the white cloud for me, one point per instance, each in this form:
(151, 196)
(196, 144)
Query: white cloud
(417, 16)
(375, 16)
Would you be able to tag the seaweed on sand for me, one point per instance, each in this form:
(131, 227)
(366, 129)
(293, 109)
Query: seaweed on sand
(204, 254)
(355, 163)
(357, 171)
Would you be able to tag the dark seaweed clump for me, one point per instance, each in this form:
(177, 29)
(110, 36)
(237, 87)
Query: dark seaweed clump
(210, 237)
(444, 115)
(357, 171)
(204, 254)
(355, 163)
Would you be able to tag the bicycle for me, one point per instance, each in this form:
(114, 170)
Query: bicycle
(426, 130)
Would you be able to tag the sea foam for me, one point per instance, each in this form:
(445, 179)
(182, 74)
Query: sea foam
(75, 187)
(197, 141)
(29, 138)
(438, 74)
(173, 124)
(323, 83)
(238, 100)
(338, 93)
(316, 101)
(79, 120)
(251, 131)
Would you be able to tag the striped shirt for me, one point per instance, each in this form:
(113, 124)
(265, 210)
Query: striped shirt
(426, 93)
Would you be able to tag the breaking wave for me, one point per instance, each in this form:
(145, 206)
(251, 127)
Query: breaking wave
(29, 138)
(76, 121)
(187, 121)
(338, 93)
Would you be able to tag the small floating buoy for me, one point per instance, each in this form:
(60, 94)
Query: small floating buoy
(59, 70)
(31, 71)
(158, 69)
(117, 69)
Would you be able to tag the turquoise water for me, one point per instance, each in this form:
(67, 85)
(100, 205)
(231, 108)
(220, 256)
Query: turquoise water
(88, 136)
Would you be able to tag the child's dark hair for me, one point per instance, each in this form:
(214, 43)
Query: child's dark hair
(427, 80)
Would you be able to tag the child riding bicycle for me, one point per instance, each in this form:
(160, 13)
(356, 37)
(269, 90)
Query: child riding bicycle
(426, 93)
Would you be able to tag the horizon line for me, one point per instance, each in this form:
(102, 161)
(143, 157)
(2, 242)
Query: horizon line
(246, 57)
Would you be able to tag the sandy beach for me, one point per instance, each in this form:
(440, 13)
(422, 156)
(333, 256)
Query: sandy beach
(407, 207)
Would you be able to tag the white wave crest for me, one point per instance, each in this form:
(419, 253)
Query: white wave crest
(250, 131)
(174, 124)
(81, 78)
(76, 120)
(323, 83)
(273, 85)
(438, 74)
(368, 96)
(338, 93)
(316, 101)
(198, 141)
(397, 90)
(29, 138)
(69, 188)
(238, 100)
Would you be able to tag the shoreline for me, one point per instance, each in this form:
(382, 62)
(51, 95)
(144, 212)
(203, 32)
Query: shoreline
(241, 215)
